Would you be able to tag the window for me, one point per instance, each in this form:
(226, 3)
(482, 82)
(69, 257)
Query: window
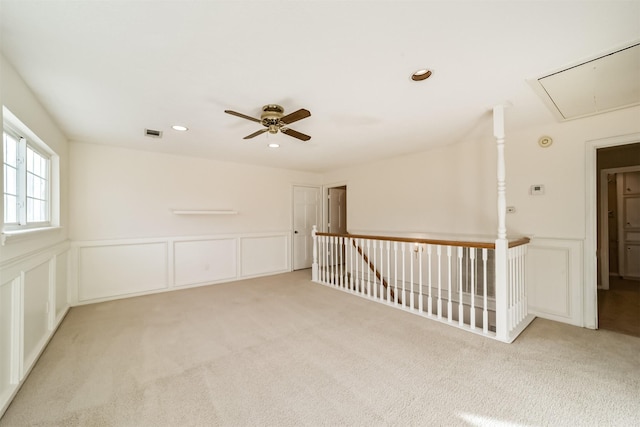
(27, 172)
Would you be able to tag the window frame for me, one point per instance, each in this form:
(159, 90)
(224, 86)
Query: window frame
(29, 140)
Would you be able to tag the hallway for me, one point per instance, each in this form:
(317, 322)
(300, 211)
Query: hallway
(619, 307)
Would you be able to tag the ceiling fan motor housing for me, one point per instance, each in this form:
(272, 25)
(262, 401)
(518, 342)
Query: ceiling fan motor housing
(271, 114)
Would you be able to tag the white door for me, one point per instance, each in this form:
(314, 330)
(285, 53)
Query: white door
(306, 214)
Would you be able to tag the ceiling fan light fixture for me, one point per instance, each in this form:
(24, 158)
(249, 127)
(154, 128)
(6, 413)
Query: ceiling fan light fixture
(274, 145)
(420, 75)
(274, 121)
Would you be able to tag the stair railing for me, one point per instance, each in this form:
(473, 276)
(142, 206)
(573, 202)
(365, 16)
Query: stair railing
(452, 281)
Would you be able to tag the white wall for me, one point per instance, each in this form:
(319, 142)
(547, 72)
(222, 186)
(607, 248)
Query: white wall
(453, 190)
(122, 193)
(127, 240)
(33, 269)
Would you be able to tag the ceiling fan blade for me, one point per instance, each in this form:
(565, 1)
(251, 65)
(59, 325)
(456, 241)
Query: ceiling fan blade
(235, 113)
(295, 134)
(295, 116)
(260, 132)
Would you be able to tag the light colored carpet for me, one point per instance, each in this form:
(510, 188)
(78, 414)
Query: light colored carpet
(281, 351)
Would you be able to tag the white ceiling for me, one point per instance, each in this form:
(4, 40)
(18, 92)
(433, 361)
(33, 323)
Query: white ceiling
(106, 70)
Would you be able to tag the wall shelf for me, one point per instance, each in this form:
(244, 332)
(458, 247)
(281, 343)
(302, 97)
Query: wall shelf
(203, 212)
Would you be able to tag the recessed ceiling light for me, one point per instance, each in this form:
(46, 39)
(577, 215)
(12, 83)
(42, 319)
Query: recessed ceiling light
(420, 75)
(274, 145)
(179, 128)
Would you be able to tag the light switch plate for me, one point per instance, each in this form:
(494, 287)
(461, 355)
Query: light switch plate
(536, 190)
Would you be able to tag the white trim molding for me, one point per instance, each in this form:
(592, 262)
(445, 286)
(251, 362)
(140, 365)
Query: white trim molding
(590, 246)
(104, 270)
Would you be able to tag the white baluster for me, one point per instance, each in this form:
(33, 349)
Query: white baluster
(368, 268)
(449, 306)
(355, 267)
(472, 308)
(341, 255)
(375, 266)
(514, 288)
(334, 264)
(380, 285)
(520, 283)
(327, 258)
(420, 293)
(411, 297)
(460, 296)
(343, 262)
(429, 283)
(404, 267)
(512, 292)
(485, 312)
(362, 269)
(395, 271)
(523, 299)
(325, 262)
(388, 272)
(339, 261)
(351, 268)
(331, 260)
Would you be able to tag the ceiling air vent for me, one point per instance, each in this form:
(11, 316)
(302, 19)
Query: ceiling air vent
(608, 82)
(153, 133)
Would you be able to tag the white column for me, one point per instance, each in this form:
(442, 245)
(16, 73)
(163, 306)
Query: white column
(502, 245)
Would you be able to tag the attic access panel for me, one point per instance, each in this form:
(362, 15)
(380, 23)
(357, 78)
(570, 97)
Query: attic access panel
(606, 83)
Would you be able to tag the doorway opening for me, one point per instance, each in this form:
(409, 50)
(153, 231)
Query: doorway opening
(618, 238)
(337, 209)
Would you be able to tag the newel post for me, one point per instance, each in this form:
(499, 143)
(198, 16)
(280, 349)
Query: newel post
(314, 265)
(502, 244)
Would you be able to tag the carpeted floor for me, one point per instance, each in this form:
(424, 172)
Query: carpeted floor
(282, 351)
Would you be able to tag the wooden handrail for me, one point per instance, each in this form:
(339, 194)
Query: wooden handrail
(468, 244)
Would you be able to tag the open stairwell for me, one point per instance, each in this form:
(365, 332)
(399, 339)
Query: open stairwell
(452, 281)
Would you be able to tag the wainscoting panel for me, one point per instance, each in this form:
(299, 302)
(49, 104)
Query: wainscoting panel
(7, 386)
(33, 302)
(111, 270)
(62, 279)
(554, 280)
(106, 270)
(36, 311)
(204, 261)
(264, 254)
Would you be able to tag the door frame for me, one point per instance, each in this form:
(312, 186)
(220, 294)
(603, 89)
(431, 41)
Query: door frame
(590, 255)
(293, 207)
(604, 223)
(325, 202)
